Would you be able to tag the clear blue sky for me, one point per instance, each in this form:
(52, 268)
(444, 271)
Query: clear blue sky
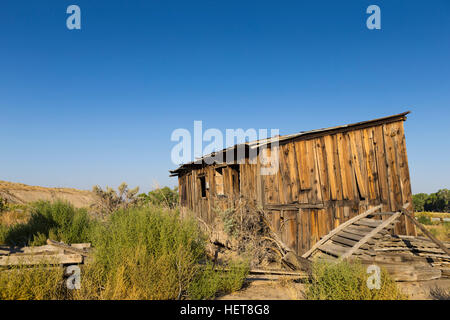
(98, 105)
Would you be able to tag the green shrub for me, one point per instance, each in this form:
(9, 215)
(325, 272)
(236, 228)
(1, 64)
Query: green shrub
(164, 197)
(212, 282)
(230, 225)
(139, 253)
(58, 221)
(348, 281)
(150, 253)
(424, 219)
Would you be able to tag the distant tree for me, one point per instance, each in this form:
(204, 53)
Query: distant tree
(438, 202)
(109, 200)
(165, 196)
(419, 201)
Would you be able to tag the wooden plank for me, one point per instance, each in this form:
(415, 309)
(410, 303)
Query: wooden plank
(324, 223)
(67, 247)
(368, 222)
(270, 182)
(404, 175)
(331, 167)
(349, 235)
(314, 236)
(284, 174)
(395, 192)
(317, 183)
(380, 158)
(356, 164)
(277, 272)
(300, 247)
(409, 272)
(337, 169)
(276, 221)
(46, 249)
(40, 259)
(306, 217)
(354, 195)
(341, 227)
(293, 206)
(400, 199)
(369, 150)
(359, 230)
(290, 220)
(321, 162)
(344, 241)
(313, 192)
(279, 181)
(301, 154)
(322, 256)
(344, 165)
(333, 249)
(370, 235)
(293, 172)
(362, 161)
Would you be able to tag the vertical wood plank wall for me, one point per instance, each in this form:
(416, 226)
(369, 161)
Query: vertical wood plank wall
(347, 172)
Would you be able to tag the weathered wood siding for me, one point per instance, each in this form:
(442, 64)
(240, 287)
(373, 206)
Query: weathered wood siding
(337, 175)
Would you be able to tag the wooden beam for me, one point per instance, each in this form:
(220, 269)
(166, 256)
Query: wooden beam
(66, 247)
(303, 275)
(339, 228)
(40, 259)
(293, 206)
(369, 236)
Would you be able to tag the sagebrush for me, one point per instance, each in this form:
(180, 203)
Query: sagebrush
(58, 221)
(139, 253)
(348, 281)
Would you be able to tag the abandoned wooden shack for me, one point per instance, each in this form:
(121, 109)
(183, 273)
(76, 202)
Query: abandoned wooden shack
(324, 177)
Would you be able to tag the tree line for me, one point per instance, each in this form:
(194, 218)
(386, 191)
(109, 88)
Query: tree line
(437, 202)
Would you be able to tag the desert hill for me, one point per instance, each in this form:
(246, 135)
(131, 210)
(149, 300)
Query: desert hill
(21, 194)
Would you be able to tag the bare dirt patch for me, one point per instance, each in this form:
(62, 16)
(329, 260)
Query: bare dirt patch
(268, 288)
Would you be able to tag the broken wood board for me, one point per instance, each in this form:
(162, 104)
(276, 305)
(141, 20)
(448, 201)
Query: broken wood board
(52, 253)
(40, 259)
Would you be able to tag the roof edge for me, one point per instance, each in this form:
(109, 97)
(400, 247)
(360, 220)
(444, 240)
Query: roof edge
(303, 135)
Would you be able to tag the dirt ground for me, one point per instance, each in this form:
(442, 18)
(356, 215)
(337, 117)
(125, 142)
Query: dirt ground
(266, 288)
(427, 290)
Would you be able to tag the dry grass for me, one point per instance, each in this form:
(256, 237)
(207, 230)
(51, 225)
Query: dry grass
(12, 217)
(440, 229)
(434, 214)
(38, 283)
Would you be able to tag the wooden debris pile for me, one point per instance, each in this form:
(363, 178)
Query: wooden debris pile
(418, 249)
(369, 239)
(55, 253)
